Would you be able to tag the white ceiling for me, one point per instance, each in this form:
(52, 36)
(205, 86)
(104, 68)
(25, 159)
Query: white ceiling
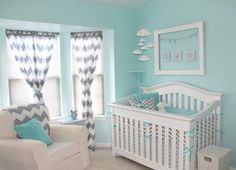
(130, 4)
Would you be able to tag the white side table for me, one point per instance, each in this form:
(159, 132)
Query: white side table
(69, 121)
(214, 158)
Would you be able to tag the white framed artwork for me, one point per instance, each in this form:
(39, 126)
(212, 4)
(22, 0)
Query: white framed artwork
(185, 44)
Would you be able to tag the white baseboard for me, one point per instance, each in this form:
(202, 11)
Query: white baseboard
(103, 145)
(232, 168)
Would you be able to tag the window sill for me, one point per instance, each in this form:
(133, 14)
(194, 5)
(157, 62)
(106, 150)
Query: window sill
(96, 117)
(100, 117)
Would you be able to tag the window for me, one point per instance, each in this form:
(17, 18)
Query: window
(97, 94)
(20, 92)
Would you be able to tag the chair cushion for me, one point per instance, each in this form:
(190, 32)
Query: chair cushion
(60, 151)
(7, 130)
(23, 113)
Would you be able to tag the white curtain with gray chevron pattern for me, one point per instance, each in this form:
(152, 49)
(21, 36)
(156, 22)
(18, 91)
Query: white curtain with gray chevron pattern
(32, 52)
(86, 48)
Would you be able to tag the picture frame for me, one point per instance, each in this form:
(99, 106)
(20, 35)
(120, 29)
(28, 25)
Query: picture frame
(178, 41)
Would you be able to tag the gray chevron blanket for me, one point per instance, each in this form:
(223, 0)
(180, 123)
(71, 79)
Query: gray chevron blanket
(24, 113)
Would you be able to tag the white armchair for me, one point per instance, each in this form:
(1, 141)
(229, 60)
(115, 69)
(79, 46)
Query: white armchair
(68, 152)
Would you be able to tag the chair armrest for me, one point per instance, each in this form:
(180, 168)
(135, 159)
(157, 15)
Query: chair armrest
(23, 154)
(68, 133)
(72, 133)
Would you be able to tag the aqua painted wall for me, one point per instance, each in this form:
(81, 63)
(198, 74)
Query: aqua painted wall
(119, 25)
(220, 37)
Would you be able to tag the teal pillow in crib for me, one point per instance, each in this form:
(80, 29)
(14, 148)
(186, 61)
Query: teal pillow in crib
(32, 129)
(145, 96)
(179, 111)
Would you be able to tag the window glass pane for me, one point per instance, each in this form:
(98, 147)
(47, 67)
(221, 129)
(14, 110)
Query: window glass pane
(20, 92)
(77, 94)
(97, 94)
(51, 95)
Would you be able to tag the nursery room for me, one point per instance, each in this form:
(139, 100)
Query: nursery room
(117, 85)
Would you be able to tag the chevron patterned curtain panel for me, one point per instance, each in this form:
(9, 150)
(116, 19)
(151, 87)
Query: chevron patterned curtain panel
(86, 48)
(24, 113)
(32, 52)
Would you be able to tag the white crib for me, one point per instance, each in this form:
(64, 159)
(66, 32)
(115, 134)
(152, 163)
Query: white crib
(164, 141)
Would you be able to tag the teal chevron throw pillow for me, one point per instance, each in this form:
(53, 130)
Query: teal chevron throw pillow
(32, 129)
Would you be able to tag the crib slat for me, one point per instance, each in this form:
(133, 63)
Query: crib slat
(186, 102)
(136, 138)
(174, 100)
(122, 132)
(117, 132)
(166, 143)
(211, 129)
(201, 134)
(218, 113)
(148, 139)
(153, 142)
(114, 134)
(131, 136)
(204, 133)
(204, 105)
(215, 127)
(164, 98)
(159, 145)
(192, 104)
(126, 135)
(141, 139)
(180, 103)
(198, 105)
(181, 150)
(173, 155)
(169, 99)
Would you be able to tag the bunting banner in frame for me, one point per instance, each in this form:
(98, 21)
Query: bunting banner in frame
(179, 50)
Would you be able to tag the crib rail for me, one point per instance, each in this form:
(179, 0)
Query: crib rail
(161, 140)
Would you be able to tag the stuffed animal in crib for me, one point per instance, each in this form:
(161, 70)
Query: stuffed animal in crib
(161, 107)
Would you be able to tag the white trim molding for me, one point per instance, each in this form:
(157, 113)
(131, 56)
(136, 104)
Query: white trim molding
(103, 145)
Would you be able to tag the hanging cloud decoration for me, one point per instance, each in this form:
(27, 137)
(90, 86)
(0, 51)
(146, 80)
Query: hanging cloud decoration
(137, 52)
(144, 47)
(144, 58)
(142, 40)
(143, 33)
(150, 45)
(141, 44)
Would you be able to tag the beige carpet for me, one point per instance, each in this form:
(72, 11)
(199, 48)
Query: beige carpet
(102, 159)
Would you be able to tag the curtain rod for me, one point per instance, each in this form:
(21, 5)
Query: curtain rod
(27, 32)
(87, 34)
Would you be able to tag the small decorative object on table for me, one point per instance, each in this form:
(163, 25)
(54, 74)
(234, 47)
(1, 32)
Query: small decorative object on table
(73, 114)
